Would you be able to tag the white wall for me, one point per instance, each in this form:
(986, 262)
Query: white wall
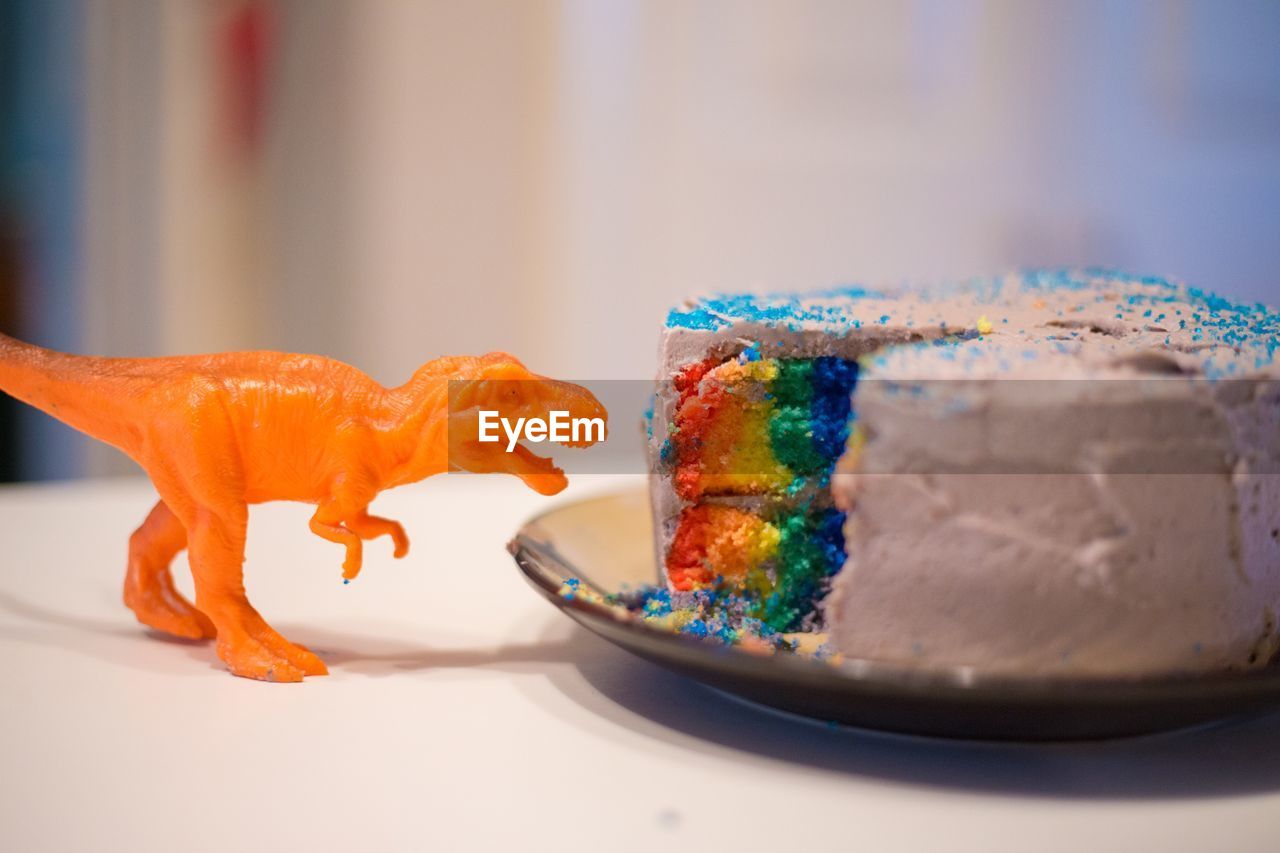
(548, 177)
(550, 181)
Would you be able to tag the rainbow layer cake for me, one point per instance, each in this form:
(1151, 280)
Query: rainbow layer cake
(1055, 472)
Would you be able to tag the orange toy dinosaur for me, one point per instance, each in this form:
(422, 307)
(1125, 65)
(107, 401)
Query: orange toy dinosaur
(219, 432)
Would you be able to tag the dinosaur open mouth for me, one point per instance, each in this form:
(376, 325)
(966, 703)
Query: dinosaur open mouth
(544, 462)
(540, 472)
(499, 427)
(575, 426)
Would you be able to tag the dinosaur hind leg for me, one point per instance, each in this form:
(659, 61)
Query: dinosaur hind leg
(246, 643)
(148, 585)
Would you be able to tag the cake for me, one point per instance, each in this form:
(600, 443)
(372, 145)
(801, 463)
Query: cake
(1058, 472)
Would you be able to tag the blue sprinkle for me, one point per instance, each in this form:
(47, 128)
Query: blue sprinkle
(696, 628)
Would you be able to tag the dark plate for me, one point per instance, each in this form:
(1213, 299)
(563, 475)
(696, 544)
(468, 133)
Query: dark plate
(607, 544)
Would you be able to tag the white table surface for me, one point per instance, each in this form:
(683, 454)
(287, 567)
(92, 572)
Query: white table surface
(463, 712)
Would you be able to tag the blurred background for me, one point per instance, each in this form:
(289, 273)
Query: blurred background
(385, 181)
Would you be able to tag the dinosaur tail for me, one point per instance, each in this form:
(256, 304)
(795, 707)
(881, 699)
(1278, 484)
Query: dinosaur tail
(74, 389)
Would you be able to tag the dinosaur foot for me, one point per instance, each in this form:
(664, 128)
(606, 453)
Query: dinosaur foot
(266, 656)
(162, 607)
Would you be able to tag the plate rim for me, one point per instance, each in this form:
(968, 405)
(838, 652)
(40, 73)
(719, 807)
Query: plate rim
(953, 684)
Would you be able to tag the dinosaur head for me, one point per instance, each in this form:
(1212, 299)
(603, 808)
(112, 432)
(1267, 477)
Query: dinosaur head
(502, 406)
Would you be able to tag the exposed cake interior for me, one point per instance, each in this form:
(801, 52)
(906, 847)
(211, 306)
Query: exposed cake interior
(753, 445)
